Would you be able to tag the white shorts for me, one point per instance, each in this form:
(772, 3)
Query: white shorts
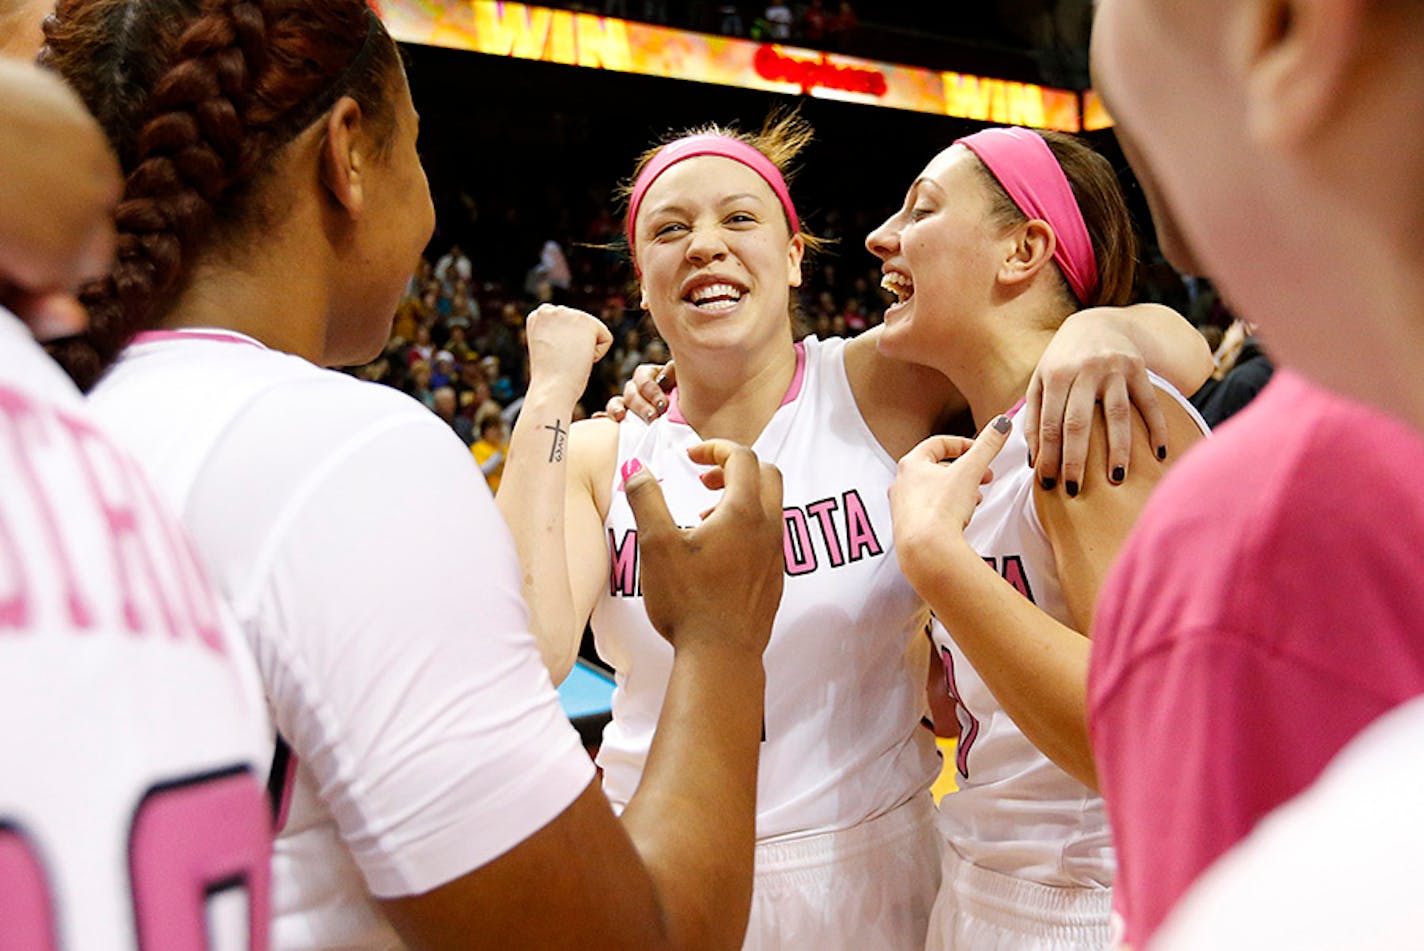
(867, 887)
(980, 910)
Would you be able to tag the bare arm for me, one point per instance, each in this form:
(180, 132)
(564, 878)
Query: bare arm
(549, 507)
(676, 872)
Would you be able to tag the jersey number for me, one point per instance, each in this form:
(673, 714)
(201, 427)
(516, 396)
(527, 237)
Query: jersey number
(190, 841)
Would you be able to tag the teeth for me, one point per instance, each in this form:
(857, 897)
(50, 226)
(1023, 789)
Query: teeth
(899, 285)
(714, 291)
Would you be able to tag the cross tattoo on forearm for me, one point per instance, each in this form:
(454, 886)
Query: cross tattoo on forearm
(556, 451)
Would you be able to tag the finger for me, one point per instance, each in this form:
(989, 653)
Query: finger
(634, 403)
(1029, 420)
(1077, 431)
(937, 449)
(1117, 414)
(616, 409)
(716, 452)
(667, 377)
(645, 498)
(714, 478)
(770, 477)
(991, 439)
(1053, 407)
(741, 477)
(1144, 397)
(651, 391)
(602, 341)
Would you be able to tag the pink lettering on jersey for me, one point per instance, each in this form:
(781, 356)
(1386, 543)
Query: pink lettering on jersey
(1011, 569)
(192, 583)
(822, 511)
(111, 486)
(191, 840)
(26, 435)
(623, 580)
(860, 534)
(26, 917)
(15, 594)
(796, 540)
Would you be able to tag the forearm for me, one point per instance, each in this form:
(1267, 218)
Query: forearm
(532, 498)
(1170, 345)
(693, 818)
(1036, 667)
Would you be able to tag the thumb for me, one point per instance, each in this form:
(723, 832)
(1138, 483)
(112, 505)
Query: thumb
(645, 498)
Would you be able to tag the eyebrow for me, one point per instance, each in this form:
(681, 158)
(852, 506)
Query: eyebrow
(673, 205)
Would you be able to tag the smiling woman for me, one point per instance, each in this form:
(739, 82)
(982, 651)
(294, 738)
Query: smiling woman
(846, 855)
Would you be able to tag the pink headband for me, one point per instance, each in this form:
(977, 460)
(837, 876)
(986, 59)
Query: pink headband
(710, 144)
(1023, 163)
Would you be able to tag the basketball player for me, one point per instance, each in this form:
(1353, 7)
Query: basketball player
(846, 857)
(132, 811)
(431, 791)
(1001, 237)
(1267, 607)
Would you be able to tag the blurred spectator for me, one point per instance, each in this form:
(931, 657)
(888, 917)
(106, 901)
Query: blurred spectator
(419, 384)
(840, 31)
(442, 369)
(421, 347)
(490, 448)
(444, 406)
(731, 24)
(1242, 371)
(500, 384)
(628, 355)
(458, 344)
(454, 268)
(464, 312)
(549, 280)
(814, 23)
(779, 20)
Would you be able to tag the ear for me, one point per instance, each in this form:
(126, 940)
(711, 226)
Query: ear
(1298, 58)
(794, 253)
(343, 157)
(1031, 251)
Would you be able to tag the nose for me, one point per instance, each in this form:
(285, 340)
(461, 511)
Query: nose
(884, 241)
(705, 245)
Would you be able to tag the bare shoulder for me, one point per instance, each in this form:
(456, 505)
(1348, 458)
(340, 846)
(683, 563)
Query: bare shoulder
(593, 455)
(900, 402)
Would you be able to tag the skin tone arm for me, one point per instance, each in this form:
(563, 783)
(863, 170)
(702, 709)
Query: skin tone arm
(676, 872)
(1099, 355)
(56, 218)
(546, 495)
(1035, 666)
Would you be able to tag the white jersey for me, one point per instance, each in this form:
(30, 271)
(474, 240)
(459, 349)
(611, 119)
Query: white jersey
(845, 667)
(132, 729)
(1016, 812)
(379, 589)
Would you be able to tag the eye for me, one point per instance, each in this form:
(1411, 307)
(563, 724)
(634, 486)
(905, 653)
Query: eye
(741, 218)
(920, 212)
(669, 228)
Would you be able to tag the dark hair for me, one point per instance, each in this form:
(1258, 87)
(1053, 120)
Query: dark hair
(1099, 196)
(197, 98)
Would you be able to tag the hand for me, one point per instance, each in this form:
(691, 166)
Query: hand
(564, 344)
(730, 566)
(646, 394)
(1088, 362)
(936, 491)
(59, 183)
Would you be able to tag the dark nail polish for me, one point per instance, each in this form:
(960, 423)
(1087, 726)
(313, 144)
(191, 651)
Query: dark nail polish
(1030, 460)
(1072, 488)
(1161, 452)
(1002, 424)
(1118, 473)
(1048, 483)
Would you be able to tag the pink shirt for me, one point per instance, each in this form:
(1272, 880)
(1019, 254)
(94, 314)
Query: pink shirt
(1268, 605)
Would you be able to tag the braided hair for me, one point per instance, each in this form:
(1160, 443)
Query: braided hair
(197, 98)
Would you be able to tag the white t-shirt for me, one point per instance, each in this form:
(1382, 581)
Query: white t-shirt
(133, 734)
(1015, 812)
(380, 591)
(1337, 868)
(845, 667)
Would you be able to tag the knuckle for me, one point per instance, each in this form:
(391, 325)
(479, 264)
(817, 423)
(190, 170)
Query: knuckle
(1076, 425)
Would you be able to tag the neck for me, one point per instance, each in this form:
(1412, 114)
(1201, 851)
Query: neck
(275, 292)
(734, 397)
(992, 360)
